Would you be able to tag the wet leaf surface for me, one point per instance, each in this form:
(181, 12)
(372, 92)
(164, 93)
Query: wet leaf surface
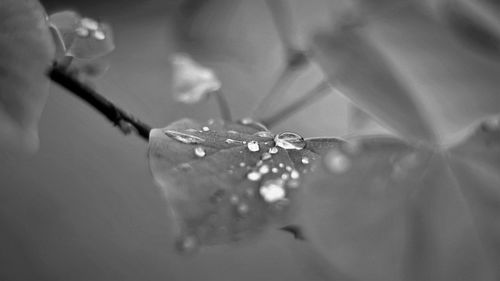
(388, 210)
(227, 182)
(27, 51)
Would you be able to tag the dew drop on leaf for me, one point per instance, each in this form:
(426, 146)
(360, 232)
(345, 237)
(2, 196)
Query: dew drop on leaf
(89, 24)
(274, 170)
(253, 146)
(272, 190)
(305, 160)
(182, 137)
(205, 129)
(99, 35)
(264, 169)
(294, 174)
(199, 151)
(273, 150)
(337, 162)
(285, 176)
(288, 140)
(254, 176)
(266, 156)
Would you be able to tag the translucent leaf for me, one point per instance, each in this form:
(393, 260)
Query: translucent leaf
(191, 81)
(82, 38)
(388, 210)
(367, 78)
(227, 182)
(27, 52)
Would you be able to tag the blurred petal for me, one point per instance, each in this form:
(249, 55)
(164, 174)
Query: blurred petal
(191, 81)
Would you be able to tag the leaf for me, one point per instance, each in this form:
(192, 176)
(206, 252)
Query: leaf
(406, 65)
(82, 38)
(389, 210)
(27, 52)
(227, 182)
(366, 77)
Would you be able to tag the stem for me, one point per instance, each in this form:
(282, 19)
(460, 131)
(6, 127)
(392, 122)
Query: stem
(224, 108)
(114, 114)
(319, 91)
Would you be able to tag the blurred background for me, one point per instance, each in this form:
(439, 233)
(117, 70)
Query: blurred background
(85, 207)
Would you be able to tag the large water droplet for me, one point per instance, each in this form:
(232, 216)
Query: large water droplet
(182, 137)
(273, 190)
(187, 245)
(89, 23)
(337, 162)
(254, 176)
(288, 140)
(199, 151)
(99, 35)
(253, 146)
(294, 174)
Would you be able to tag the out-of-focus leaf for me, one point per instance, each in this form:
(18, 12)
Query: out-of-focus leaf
(388, 210)
(476, 23)
(367, 78)
(227, 182)
(191, 81)
(82, 38)
(450, 85)
(26, 53)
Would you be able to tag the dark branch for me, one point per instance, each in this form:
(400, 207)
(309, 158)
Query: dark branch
(114, 114)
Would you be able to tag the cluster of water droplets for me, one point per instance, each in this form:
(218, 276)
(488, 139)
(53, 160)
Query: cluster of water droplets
(89, 27)
(274, 180)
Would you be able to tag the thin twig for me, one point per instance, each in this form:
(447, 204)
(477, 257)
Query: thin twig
(116, 115)
(224, 108)
(319, 91)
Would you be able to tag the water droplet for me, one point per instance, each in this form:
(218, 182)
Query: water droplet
(273, 150)
(89, 24)
(264, 169)
(294, 174)
(264, 134)
(231, 141)
(266, 156)
(337, 162)
(99, 35)
(272, 190)
(254, 176)
(199, 151)
(205, 129)
(82, 32)
(281, 165)
(288, 168)
(242, 164)
(285, 177)
(288, 140)
(182, 137)
(187, 245)
(274, 170)
(305, 160)
(253, 146)
(243, 209)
